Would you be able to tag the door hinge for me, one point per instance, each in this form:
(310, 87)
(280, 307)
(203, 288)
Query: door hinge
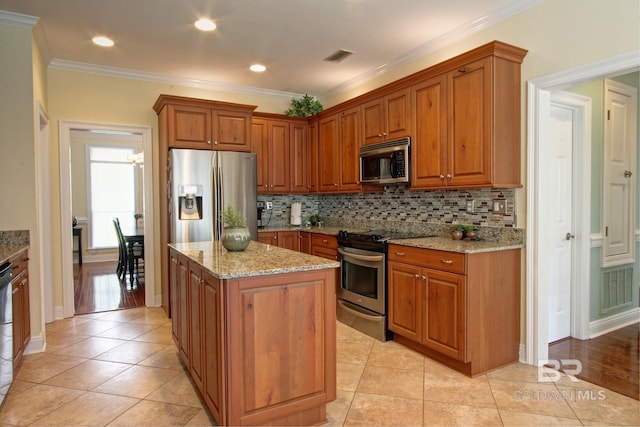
(606, 231)
(608, 114)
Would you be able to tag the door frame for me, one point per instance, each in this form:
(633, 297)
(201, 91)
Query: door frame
(65, 128)
(539, 98)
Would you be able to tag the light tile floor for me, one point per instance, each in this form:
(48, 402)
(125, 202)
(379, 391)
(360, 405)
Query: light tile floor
(122, 368)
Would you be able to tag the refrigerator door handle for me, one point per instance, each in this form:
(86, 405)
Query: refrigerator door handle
(220, 188)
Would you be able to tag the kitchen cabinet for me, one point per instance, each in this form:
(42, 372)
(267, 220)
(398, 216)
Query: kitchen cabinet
(202, 124)
(338, 147)
(20, 306)
(387, 117)
(466, 127)
(282, 239)
(180, 314)
(270, 142)
(305, 242)
(460, 309)
(300, 155)
(275, 366)
(314, 155)
(324, 245)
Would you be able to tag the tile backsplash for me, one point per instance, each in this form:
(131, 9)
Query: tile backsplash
(397, 204)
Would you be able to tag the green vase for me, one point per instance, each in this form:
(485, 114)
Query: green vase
(235, 239)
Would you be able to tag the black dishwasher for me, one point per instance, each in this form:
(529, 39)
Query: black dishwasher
(6, 330)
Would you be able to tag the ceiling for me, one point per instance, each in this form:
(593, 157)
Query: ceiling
(157, 38)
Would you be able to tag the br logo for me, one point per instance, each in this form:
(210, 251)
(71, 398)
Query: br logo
(550, 371)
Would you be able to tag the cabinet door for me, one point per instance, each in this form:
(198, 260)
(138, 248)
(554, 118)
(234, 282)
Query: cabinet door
(26, 311)
(279, 161)
(17, 298)
(183, 292)
(445, 313)
(429, 145)
(260, 146)
(268, 237)
(469, 93)
(196, 366)
(329, 168)
(189, 127)
(373, 122)
(324, 252)
(350, 150)
(405, 300)
(397, 114)
(288, 240)
(213, 347)
(174, 294)
(231, 130)
(299, 147)
(305, 242)
(314, 156)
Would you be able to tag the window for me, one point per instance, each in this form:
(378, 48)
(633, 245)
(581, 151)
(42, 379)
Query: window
(111, 193)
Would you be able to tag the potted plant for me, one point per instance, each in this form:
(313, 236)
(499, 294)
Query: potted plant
(471, 232)
(314, 219)
(304, 107)
(457, 231)
(235, 234)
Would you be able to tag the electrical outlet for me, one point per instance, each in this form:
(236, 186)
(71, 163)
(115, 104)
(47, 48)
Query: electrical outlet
(269, 205)
(500, 206)
(471, 206)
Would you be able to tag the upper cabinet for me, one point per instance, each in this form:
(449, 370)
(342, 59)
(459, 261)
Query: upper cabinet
(466, 128)
(387, 117)
(203, 124)
(282, 148)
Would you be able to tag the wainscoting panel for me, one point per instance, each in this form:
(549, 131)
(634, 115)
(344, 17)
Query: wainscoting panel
(616, 291)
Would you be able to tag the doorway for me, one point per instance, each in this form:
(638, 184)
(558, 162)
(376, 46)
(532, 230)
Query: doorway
(66, 129)
(539, 155)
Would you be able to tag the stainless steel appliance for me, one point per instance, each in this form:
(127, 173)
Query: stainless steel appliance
(362, 295)
(203, 183)
(386, 162)
(6, 330)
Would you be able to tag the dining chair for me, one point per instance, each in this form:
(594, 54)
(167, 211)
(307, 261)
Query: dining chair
(122, 251)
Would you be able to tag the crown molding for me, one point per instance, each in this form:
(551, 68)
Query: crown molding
(18, 19)
(440, 42)
(164, 79)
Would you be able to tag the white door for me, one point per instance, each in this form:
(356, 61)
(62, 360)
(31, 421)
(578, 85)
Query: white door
(618, 196)
(559, 181)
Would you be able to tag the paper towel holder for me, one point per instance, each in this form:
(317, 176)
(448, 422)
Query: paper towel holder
(296, 213)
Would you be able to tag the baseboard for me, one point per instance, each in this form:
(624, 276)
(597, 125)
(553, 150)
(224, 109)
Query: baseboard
(611, 323)
(522, 354)
(58, 313)
(36, 344)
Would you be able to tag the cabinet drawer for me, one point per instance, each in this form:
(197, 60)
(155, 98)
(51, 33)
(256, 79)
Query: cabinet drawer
(20, 263)
(324, 240)
(429, 258)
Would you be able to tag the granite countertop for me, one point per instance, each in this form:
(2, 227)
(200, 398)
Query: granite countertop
(9, 251)
(443, 243)
(257, 260)
(461, 246)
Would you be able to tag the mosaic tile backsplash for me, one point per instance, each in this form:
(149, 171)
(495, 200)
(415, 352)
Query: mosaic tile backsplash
(398, 208)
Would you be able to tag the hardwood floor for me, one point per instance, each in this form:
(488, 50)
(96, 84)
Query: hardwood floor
(611, 360)
(97, 288)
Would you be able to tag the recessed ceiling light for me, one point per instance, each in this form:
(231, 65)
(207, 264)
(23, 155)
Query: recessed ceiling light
(258, 68)
(102, 41)
(205, 24)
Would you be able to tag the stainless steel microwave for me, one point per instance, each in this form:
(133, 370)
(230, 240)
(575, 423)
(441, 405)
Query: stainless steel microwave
(386, 162)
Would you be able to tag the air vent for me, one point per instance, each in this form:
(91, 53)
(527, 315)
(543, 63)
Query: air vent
(338, 55)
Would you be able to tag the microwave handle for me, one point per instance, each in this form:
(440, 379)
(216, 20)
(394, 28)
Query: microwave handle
(393, 166)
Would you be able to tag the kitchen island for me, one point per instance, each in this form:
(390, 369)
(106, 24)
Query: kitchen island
(256, 329)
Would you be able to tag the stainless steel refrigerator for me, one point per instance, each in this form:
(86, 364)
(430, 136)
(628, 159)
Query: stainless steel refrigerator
(203, 183)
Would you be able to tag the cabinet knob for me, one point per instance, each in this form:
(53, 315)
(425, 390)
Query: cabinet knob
(266, 186)
(424, 277)
(335, 184)
(384, 134)
(380, 135)
(275, 237)
(462, 69)
(209, 142)
(446, 261)
(448, 176)
(400, 253)
(441, 176)
(417, 275)
(215, 142)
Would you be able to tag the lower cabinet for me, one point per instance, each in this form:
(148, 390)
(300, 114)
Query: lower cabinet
(261, 350)
(305, 242)
(283, 239)
(324, 245)
(460, 309)
(20, 306)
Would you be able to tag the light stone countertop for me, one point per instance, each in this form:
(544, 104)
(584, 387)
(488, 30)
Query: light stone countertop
(9, 251)
(461, 246)
(257, 260)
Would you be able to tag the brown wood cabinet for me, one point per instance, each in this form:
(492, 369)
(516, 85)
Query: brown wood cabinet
(324, 245)
(20, 306)
(314, 156)
(243, 353)
(466, 131)
(338, 147)
(460, 309)
(387, 117)
(300, 155)
(305, 242)
(282, 239)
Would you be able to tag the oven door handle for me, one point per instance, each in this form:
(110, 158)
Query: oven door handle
(357, 313)
(372, 258)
